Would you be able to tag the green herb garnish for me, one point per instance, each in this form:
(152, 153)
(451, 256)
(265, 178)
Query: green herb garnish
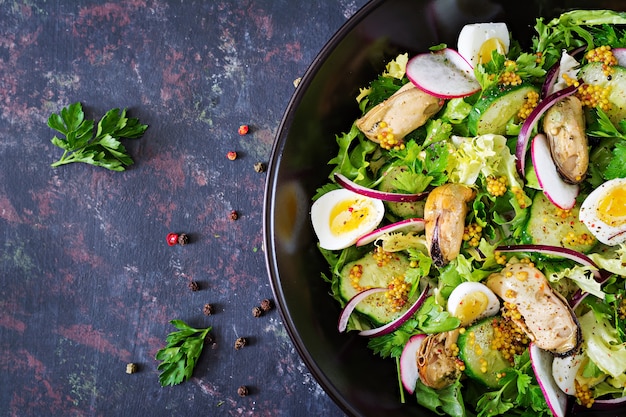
(181, 354)
(102, 149)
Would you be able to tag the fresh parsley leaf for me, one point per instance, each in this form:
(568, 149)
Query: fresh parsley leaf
(181, 354)
(103, 148)
(617, 168)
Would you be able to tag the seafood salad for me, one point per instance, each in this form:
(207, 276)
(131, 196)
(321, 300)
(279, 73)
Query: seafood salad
(474, 220)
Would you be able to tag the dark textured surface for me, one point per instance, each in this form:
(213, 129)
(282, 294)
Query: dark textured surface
(87, 281)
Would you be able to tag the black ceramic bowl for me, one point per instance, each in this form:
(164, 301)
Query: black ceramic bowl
(324, 105)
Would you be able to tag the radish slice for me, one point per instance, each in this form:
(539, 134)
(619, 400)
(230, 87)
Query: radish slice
(531, 121)
(541, 361)
(600, 275)
(392, 326)
(620, 55)
(561, 194)
(408, 362)
(444, 74)
(408, 225)
(354, 301)
(380, 195)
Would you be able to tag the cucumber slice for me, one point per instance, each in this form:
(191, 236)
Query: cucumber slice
(375, 307)
(549, 225)
(405, 210)
(593, 74)
(497, 107)
(482, 362)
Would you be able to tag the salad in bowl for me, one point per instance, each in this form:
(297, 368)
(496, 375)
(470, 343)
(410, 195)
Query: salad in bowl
(474, 220)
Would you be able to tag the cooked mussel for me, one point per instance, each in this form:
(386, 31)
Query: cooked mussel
(564, 125)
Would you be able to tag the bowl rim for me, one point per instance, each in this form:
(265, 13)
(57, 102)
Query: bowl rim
(270, 186)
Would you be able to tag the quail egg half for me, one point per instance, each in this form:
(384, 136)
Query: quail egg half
(340, 217)
(471, 301)
(604, 212)
(477, 41)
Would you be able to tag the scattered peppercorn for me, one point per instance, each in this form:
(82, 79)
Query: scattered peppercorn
(257, 312)
(259, 167)
(172, 239)
(193, 285)
(183, 239)
(243, 129)
(208, 309)
(234, 215)
(266, 305)
(232, 155)
(240, 342)
(242, 391)
(131, 368)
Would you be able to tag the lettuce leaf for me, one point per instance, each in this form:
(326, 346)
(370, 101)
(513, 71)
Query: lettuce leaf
(602, 344)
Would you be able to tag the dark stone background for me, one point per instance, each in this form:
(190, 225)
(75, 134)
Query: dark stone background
(88, 283)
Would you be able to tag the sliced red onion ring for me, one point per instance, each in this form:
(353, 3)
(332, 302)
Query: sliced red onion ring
(354, 301)
(408, 225)
(531, 121)
(380, 195)
(392, 326)
(599, 274)
(553, 72)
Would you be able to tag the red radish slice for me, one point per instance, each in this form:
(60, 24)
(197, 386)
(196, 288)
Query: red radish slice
(444, 74)
(620, 55)
(571, 254)
(408, 362)
(541, 361)
(561, 194)
(408, 225)
(354, 301)
(372, 193)
(392, 326)
(529, 124)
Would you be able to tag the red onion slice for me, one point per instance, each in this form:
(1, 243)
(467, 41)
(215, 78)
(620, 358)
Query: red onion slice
(354, 301)
(392, 326)
(531, 121)
(372, 193)
(408, 225)
(581, 258)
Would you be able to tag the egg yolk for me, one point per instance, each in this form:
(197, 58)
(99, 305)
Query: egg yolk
(348, 215)
(612, 207)
(472, 306)
(490, 45)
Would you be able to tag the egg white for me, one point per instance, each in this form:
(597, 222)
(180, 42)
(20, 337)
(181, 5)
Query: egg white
(598, 224)
(462, 292)
(321, 216)
(473, 36)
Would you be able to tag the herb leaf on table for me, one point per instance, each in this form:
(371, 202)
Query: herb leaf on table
(180, 355)
(100, 148)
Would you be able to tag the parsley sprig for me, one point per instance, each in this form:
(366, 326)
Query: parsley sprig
(102, 147)
(180, 355)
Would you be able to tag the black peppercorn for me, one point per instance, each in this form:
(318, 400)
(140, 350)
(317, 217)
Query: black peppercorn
(208, 309)
(259, 167)
(183, 239)
(234, 215)
(242, 391)
(193, 286)
(240, 342)
(257, 312)
(266, 305)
